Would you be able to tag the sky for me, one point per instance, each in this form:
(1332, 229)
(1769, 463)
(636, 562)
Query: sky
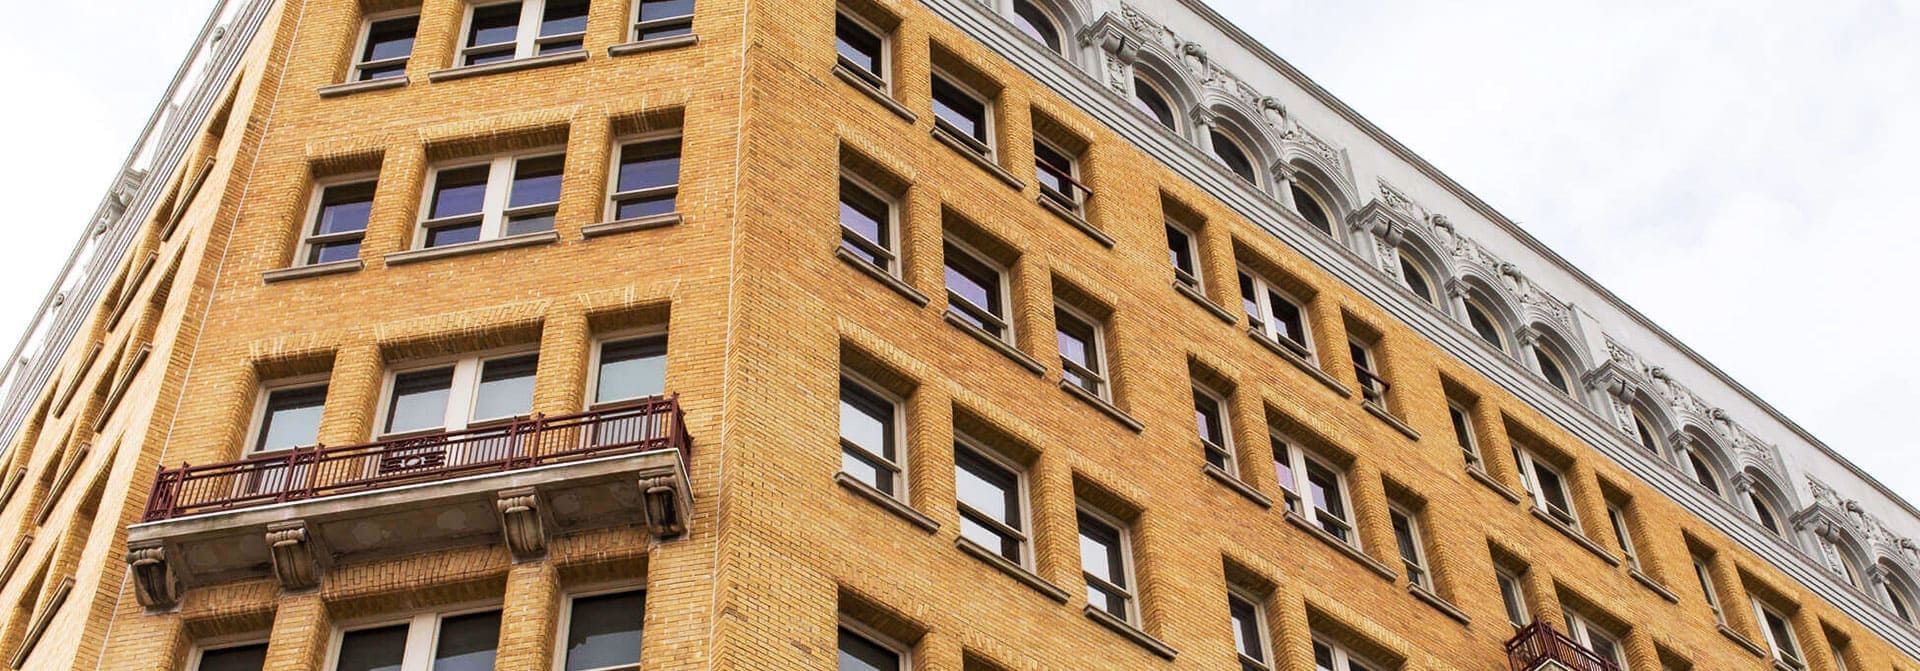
(1738, 171)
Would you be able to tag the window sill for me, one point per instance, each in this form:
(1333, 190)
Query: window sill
(515, 65)
(1576, 535)
(1077, 221)
(1237, 485)
(1649, 583)
(1200, 298)
(945, 137)
(1445, 607)
(1016, 571)
(347, 88)
(997, 344)
(1102, 405)
(892, 505)
(1744, 642)
(1482, 477)
(465, 248)
(877, 95)
(315, 270)
(898, 285)
(1304, 365)
(656, 44)
(1345, 548)
(1395, 422)
(634, 224)
(1132, 633)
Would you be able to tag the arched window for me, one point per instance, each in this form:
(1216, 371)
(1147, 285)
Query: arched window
(1703, 472)
(1849, 568)
(1764, 514)
(1898, 602)
(1234, 155)
(1151, 98)
(1309, 206)
(1552, 369)
(1643, 429)
(1416, 278)
(1484, 324)
(1038, 24)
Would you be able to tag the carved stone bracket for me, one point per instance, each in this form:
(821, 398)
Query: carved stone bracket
(154, 583)
(1385, 227)
(664, 505)
(295, 563)
(520, 522)
(1119, 47)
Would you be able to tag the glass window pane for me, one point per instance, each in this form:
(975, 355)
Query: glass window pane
(344, 208)
(987, 488)
(1052, 168)
(1206, 418)
(604, 630)
(661, 9)
(1462, 430)
(1404, 538)
(631, 369)
(380, 649)
(1283, 465)
(973, 281)
(866, 420)
(1232, 156)
(467, 642)
(1147, 97)
(858, 45)
(334, 251)
(1180, 251)
(563, 17)
(1308, 206)
(1035, 22)
(1287, 320)
(647, 165)
(506, 387)
(237, 658)
(419, 400)
(1550, 369)
(1100, 551)
(459, 191)
(453, 235)
(1247, 636)
(960, 110)
(390, 38)
(536, 181)
(494, 24)
(867, 216)
(859, 654)
(291, 418)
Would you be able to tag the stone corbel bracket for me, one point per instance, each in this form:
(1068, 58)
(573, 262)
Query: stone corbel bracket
(1386, 227)
(523, 522)
(297, 563)
(666, 503)
(154, 583)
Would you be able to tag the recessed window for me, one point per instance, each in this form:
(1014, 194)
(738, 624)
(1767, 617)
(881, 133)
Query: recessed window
(977, 292)
(1373, 387)
(868, 229)
(1763, 513)
(862, 649)
(1463, 434)
(1484, 325)
(1412, 546)
(1233, 155)
(991, 495)
(1210, 420)
(1707, 591)
(1183, 252)
(1106, 563)
(1703, 473)
(1317, 490)
(870, 437)
(1416, 279)
(1275, 314)
(655, 19)
(1898, 601)
(1330, 656)
(503, 197)
(1602, 643)
(1779, 634)
(1552, 370)
(289, 417)
(511, 30)
(1849, 569)
(469, 392)
(249, 657)
(602, 631)
(1249, 632)
(1643, 430)
(1623, 534)
(1037, 23)
(1309, 206)
(1547, 487)
(626, 369)
(1058, 173)
(963, 114)
(1513, 597)
(1148, 97)
(861, 48)
(339, 223)
(457, 642)
(1083, 354)
(385, 45)
(646, 179)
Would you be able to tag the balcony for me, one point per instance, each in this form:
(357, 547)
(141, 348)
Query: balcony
(294, 514)
(1539, 647)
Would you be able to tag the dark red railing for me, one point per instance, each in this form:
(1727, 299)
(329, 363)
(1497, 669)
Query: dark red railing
(1539, 643)
(322, 470)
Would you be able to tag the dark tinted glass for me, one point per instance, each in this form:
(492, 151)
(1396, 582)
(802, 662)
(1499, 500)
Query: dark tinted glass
(604, 631)
(960, 110)
(467, 642)
(1483, 324)
(1149, 100)
(344, 208)
(379, 649)
(972, 280)
(238, 658)
(1076, 339)
(655, 10)
(563, 17)
(993, 492)
(1232, 156)
(859, 654)
(1180, 252)
(858, 45)
(647, 165)
(390, 38)
(1416, 280)
(536, 181)
(1287, 320)
(494, 24)
(1036, 23)
(459, 191)
(1246, 629)
(1052, 169)
(1550, 369)
(1310, 210)
(867, 217)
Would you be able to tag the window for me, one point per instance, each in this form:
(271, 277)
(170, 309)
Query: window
(1513, 597)
(1210, 420)
(1373, 387)
(1623, 534)
(1485, 325)
(646, 179)
(1082, 350)
(1779, 635)
(1038, 24)
(868, 229)
(1330, 656)
(1311, 208)
(977, 292)
(1590, 636)
(626, 369)
(1547, 487)
(1233, 155)
(458, 395)
(249, 657)
(511, 30)
(289, 417)
(1703, 473)
(1151, 99)
(1463, 434)
(1551, 369)
(602, 631)
(452, 642)
(870, 437)
(1183, 252)
(1416, 279)
(339, 222)
(1898, 602)
(1643, 430)
(1058, 173)
(503, 197)
(963, 114)
(1249, 631)
(1106, 562)
(1763, 513)
(1413, 553)
(1839, 654)
(1849, 569)
(1705, 576)
(1275, 314)
(655, 19)
(990, 494)
(1320, 487)
(385, 45)
(862, 649)
(862, 49)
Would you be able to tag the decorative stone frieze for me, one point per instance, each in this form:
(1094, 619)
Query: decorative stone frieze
(1833, 517)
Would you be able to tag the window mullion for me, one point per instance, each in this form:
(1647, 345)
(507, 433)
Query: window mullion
(527, 36)
(418, 655)
(494, 202)
(460, 397)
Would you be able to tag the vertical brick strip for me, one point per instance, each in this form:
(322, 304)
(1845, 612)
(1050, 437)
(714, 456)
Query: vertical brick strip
(300, 634)
(528, 616)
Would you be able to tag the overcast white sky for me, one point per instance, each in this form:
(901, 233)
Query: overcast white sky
(1741, 171)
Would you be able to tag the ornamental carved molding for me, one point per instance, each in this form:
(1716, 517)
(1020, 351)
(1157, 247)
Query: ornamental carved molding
(666, 505)
(521, 523)
(154, 583)
(1838, 520)
(1466, 257)
(295, 563)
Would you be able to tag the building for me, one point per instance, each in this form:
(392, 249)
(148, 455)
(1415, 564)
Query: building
(460, 336)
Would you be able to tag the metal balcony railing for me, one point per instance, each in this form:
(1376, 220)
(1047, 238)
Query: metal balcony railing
(1538, 644)
(313, 472)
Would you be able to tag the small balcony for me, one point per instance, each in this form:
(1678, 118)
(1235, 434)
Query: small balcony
(1539, 647)
(293, 514)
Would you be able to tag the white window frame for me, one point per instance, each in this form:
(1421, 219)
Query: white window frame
(1583, 631)
(493, 208)
(620, 144)
(1265, 639)
(1216, 132)
(366, 33)
(1641, 421)
(885, 75)
(1297, 459)
(1502, 576)
(1469, 302)
(892, 244)
(1263, 293)
(593, 361)
(1404, 261)
(461, 394)
(1623, 533)
(1059, 26)
(201, 648)
(1795, 659)
(1173, 104)
(1097, 350)
(259, 418)
(1530, 465)
(1226, 448)
(1343, 659)
(902, 483)
(526, 37)
(1021, 486)
(1472, 446)
(1197, 279)
(1368, 393)
(1075, 202)
(1703, 573)
(565, 620)
(863, 630)
(634, 26)
(1420, 572)
(988, 149)
(1129, 571)
(1567, 373)
(1004, 288)
(423, 632)
(312, 218)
